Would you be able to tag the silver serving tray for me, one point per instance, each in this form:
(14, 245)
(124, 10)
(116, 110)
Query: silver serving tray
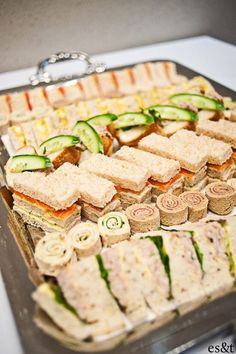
(180, 334)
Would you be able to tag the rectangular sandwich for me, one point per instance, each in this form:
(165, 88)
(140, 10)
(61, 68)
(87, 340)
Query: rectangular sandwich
(222, 130)
(138, 280)
(46, 201)
(192, 160)
(220, 165)
(182, 266)
(90, 87)
(98, 195)
(122, 173)
(37, 98)
(125, 81)
(164, 172)
(126, 176)
(72, 92)
(85, 289)
(107, 84)
(55, 96)
(210, 240)
(18, 102)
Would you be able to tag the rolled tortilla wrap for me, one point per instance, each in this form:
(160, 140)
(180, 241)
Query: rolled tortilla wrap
(197, 204)
(52, 252)
(85, 239)
(221, 197)
(143, 217)
(173, 210)
(113, 227)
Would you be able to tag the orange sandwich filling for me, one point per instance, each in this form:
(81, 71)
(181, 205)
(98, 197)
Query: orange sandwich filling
(222, 167)
(124, 190)
(165, 186)
(62, 214)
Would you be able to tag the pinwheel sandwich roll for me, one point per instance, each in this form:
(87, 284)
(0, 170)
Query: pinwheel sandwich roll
(52, 252)
(197, 204)
(84, 288)
(173, 211)
(85, 239)
(143, 217)
(221, 197)
(113, 227)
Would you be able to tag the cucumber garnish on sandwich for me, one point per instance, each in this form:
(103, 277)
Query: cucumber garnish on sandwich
(89, 137)
(20, 163)
(168, 112)
(132, 119)
(102, 119)
(57, 143)
(199, 101)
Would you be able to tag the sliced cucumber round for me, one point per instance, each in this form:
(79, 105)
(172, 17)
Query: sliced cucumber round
(113, 222)
(20, 163)
(168, 112)
(199, 101)
(89, 137)
(102, 119)
(57, 143)
(132, 119)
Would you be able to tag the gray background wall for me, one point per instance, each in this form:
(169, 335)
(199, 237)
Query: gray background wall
(32, 29)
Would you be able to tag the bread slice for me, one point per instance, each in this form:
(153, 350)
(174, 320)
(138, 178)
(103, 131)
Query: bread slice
(161, 169)
(217, 151)
(55, 190)
(188, 156)
(121, 173)
(222, 130)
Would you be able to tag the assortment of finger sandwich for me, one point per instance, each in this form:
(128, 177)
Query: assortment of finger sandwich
(106, 191)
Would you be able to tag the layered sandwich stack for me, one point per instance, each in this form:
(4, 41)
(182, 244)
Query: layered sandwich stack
(220, 164)
(164, 173)
(131, 180)
(51, 201)
(201, 158)
(192, 161)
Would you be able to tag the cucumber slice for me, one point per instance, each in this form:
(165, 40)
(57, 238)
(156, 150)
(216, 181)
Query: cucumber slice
(132, 119)
(20, 163)
(57, 143)
(113, 222)
(102, 119)
(89, 137)
(199, 101)
(168, 112)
